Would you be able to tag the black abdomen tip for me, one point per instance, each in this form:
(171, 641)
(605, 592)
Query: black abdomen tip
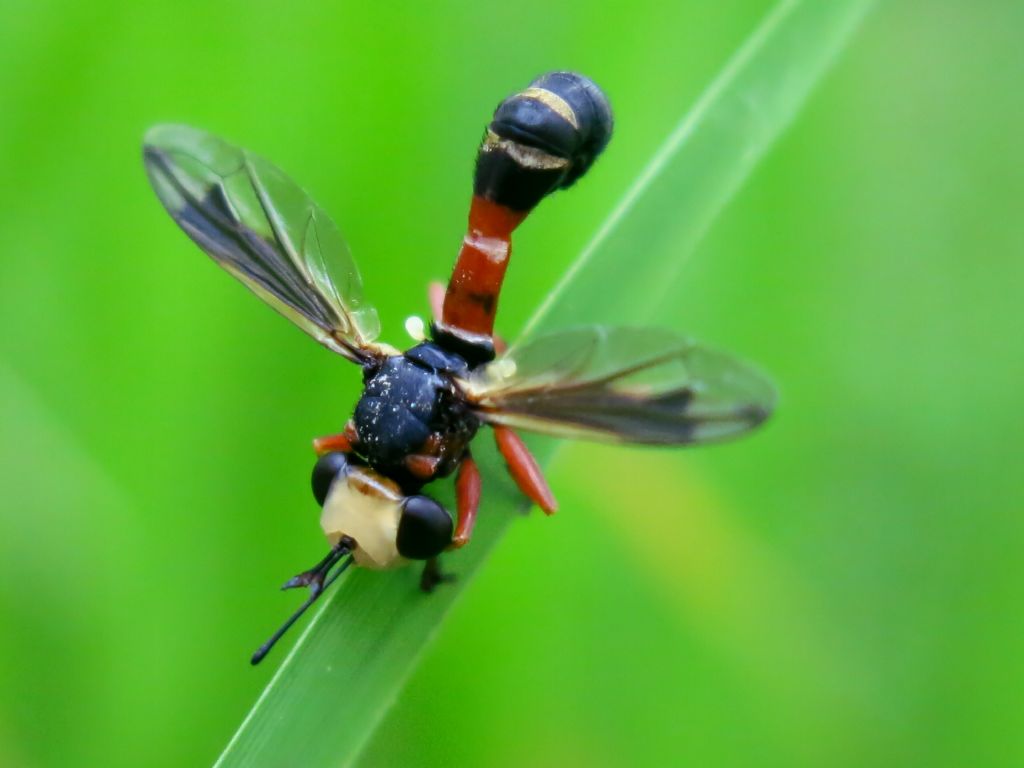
(543, 138)
(563, 113)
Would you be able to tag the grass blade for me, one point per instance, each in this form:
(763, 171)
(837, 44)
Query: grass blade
(351, 661)
(701, 165)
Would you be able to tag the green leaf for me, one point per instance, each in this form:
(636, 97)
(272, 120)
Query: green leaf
(693, 175)
(351, 661)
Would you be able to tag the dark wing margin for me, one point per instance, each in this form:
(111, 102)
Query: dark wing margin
(263, 229)
(639, 385)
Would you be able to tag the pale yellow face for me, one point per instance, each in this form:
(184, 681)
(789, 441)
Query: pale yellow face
(367, 507)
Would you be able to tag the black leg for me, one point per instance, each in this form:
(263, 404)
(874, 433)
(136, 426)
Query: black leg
(432, 575)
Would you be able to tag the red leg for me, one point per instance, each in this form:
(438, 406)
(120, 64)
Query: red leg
(435, 295)
(422, 466)
(524, 469)
(345, 442)
(467, 498)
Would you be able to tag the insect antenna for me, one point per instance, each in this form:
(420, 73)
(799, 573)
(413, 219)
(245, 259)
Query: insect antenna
(318, 580)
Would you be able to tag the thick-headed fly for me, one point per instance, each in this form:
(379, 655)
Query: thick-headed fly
(420, 409)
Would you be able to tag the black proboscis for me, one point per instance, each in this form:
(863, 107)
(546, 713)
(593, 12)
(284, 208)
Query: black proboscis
(318, 584)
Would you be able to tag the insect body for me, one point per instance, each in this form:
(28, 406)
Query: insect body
(412, 422)
(421, 409)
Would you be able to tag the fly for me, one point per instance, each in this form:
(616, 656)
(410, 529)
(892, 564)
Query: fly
(421, 409)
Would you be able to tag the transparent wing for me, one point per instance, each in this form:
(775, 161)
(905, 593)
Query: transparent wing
(640, 385)
(263, 229)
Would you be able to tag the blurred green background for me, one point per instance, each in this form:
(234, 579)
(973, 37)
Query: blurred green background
(843, 589)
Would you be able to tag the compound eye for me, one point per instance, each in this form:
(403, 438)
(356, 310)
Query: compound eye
(425, 528)
(326, 469)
